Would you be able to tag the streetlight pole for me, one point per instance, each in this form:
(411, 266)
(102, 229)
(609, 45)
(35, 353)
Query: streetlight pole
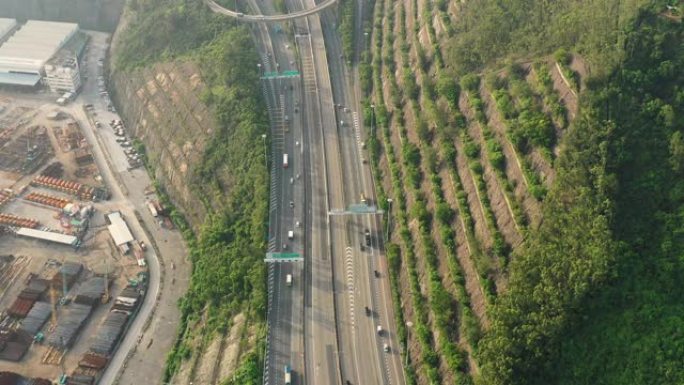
(263, 137)
(409, 324)
(389, 218)
(372, 106)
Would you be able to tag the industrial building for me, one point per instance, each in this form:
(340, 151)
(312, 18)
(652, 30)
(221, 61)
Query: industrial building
(119, 231)
(40, 52)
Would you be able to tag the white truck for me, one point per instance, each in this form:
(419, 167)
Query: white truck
(285, 164)
(288, 280)
(290, 234)
(288, 375)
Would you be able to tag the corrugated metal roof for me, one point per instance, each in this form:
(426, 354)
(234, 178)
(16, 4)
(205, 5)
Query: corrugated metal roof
(28, 80)
(48, 236)
(34, 44)
(119, 229)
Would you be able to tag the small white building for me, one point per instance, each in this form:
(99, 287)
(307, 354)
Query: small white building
(63, 76)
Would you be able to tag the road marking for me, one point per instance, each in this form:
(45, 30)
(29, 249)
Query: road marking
(349, 265)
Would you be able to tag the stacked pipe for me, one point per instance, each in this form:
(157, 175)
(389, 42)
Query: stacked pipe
(46, 199)
(74, 188)
(127, 301)
(4, 198)
(13, 220)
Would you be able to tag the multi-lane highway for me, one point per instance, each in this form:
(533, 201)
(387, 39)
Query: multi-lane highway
(288, 219)
(333, 325)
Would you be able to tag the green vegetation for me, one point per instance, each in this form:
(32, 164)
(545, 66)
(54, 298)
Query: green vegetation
(606, 262)
(347, 28)
(228, 275)
(543, 84)
(591, 295)
(489, 30)
(249, 372)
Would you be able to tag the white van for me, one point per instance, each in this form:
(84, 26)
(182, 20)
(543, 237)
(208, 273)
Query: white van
(288, 280)
(290, 234)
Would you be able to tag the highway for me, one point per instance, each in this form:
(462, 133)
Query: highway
(319, 326)
(375, 365)
(288, 203)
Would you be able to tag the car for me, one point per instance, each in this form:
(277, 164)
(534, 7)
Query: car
(291, 204)
(379, 329)
(120, 140)
(385, 348)
(377, 273)
(126, 144)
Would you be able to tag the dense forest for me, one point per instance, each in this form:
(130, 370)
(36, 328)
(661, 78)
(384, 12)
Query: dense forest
(228, 275)
(535, 151)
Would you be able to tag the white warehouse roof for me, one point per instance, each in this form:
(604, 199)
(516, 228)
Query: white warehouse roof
(33, 45)
(119, 229)
(6, 25)
(48, 236)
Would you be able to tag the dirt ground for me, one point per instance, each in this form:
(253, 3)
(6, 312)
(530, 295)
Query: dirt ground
(25, 127)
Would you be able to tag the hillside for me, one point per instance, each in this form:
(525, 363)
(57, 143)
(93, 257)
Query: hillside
(181, 82)
(526, 148)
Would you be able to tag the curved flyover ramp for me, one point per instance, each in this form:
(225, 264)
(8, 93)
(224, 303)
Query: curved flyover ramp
(268, 18)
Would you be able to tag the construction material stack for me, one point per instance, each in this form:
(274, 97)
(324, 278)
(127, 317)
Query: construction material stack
(28, 296)
(13, 220)
(4, 198)
(80, 379)
(70, 323)
(127, 301)
(108, 334)
(36, 318)
(69, 187)
(68, 274)
(91, 291)
(13, 345)
(47, 200)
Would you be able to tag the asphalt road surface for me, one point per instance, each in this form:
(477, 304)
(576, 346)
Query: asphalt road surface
(288, 203)
(338, 340)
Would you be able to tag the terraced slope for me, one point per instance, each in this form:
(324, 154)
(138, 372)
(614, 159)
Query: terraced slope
(498, 193)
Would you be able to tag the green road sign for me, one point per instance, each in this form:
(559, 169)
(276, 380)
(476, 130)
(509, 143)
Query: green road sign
(284, 75)
(282, 257)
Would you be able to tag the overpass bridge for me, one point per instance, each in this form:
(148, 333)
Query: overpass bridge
(268, 18)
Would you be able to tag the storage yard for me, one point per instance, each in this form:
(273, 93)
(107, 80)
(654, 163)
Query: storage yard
(72, 274)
